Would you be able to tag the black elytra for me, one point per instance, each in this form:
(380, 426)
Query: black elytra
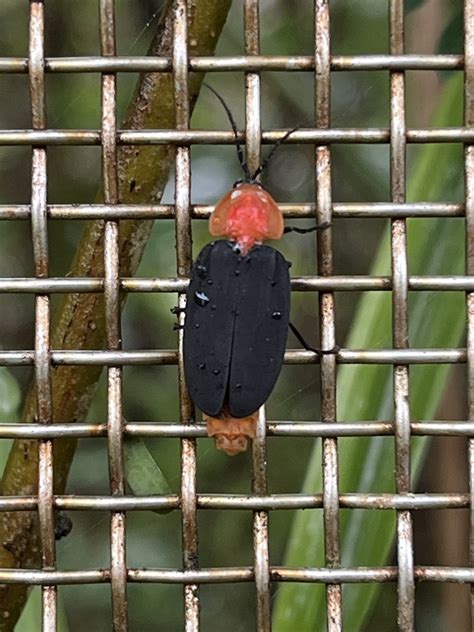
(236, 326)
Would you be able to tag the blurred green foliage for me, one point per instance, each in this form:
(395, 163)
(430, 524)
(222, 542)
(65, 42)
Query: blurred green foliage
(360, 173)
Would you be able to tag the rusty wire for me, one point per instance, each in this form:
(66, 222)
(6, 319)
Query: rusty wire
(39, 227)
(469, 201)
(405, 556)
(322, 55)
(118, 563)
(114, 358)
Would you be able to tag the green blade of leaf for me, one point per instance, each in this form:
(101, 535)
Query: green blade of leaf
(365, 392)
(143, 473)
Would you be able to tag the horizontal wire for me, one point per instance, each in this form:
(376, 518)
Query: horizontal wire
(274, 429)
(234, 575)
(235, 63)
(218, 137)
(200, 211)
(358, 575)
(239, 502)
(292, 356)
(50, 285)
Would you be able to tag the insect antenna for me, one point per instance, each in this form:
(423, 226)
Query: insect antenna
(238, 144)
(270, 155)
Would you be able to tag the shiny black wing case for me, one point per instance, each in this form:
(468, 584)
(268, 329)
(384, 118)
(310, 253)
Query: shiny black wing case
(236, 327)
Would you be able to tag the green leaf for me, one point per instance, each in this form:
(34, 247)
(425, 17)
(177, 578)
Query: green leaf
(143, 473)
(435, 246)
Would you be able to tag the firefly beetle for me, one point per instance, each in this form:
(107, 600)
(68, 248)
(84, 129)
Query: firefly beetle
(237, 310)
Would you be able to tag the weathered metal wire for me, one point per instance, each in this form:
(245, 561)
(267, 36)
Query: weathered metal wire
(469, 206)
(118, 560)
(249, 63)
(327, 326)
(39, 226)
(374, 135)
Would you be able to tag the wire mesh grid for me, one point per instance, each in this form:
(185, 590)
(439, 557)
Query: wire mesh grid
(44, 356)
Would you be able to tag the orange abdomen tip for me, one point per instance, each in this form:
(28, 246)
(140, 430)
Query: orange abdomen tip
(231, 435)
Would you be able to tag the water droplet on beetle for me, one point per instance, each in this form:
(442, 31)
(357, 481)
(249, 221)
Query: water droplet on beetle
(201, 270)
(209, 281)
(267, 339)
(201, 299)
(238, 386)
(213, 306)
(276, 315)
(196, 326)
(202, 366)
(216, 371)
(237, 272)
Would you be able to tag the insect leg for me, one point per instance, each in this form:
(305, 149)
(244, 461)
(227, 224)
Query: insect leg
(306, 346)
(302, 231)
(177, 310)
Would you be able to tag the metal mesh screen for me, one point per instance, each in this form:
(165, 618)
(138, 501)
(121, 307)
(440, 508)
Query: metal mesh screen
(43, 357)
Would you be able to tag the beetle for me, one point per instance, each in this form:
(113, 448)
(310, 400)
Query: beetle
(237, 311)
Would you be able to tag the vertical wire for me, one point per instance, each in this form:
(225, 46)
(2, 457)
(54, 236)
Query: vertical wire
(184, 263)
(39, 228)
(326, 309)
(406, 580)
(115, 422)
(259, 448)
(469, 205)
